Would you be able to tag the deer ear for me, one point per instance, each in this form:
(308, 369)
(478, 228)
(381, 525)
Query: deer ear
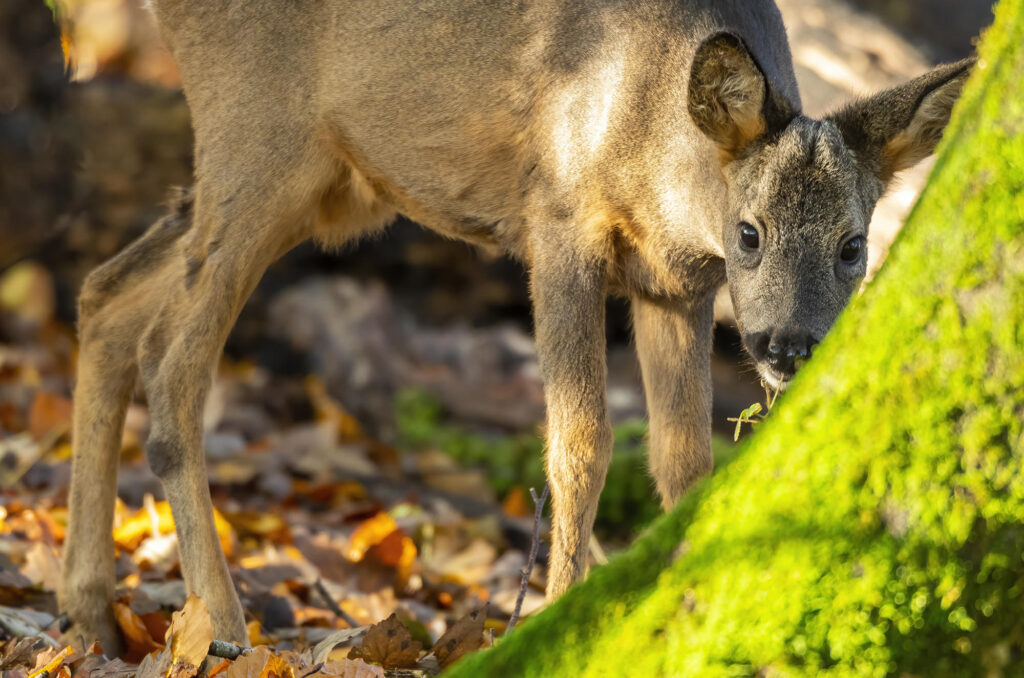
(899, 127)
(729, 98)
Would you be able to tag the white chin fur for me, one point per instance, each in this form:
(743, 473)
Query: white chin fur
(773, 380)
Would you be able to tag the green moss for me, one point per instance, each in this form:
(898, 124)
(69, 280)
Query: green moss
(875, 525)
(628, 501)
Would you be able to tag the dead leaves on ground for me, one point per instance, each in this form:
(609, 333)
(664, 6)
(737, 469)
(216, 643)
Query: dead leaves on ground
(191, 633)
(462, 638)
(302, 495)
(389, 644)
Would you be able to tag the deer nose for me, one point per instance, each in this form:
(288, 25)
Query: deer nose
(788, 351)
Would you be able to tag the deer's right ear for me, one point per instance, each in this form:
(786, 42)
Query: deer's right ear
(729, 98)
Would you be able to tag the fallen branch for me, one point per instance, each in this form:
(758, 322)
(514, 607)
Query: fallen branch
(538, 502)
(333, 606)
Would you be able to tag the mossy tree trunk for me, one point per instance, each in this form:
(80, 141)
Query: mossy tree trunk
(875, 525)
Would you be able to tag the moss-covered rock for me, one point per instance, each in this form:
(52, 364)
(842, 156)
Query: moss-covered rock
(875, 526)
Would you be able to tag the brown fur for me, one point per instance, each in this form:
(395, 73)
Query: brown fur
(555, 131)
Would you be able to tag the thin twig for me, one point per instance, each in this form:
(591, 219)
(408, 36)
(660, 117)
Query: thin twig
(333, 606)
(226, 650)
(538, 502)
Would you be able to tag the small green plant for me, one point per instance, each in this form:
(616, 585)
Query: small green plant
(756, 413)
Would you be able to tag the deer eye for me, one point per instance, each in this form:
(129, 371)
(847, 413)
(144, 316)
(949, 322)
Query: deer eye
(852, 250)
(749, 238)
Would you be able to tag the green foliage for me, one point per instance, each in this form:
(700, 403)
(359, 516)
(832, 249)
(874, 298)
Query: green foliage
(874, 526)
(627, 502)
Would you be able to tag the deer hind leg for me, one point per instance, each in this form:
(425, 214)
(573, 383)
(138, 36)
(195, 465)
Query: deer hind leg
(233, 242)
(241, 227)
(113, 310)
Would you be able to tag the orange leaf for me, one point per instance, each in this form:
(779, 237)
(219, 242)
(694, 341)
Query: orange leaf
(50, 415)
(327, 409)
(269, 525)
(52, 664)
(191, 633)
(138, 641)
(515, 504)
(370, 532)
(389, 644)
(139, 525)
(255, 633)
(260, 663)
(397, 551)
(219, 668)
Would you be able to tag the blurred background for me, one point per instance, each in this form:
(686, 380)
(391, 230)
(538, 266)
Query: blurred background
(396, 378)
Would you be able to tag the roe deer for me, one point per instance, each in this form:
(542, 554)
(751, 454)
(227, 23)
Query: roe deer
(653, 149)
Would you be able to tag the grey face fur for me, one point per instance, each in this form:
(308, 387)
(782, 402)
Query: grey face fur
(801, 192)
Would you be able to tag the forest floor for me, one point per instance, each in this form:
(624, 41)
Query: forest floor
(407, 555)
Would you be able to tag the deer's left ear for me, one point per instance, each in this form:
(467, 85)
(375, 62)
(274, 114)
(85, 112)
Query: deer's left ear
(729, 97)
(897, 128)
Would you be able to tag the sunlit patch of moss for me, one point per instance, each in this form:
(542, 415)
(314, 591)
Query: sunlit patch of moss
(874, 525)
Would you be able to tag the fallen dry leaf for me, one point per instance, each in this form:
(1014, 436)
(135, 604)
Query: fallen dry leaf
(398, 551)
(155, 665)
(260, 663)
(260, 524)
(47, 664)
(190, 633)
(369, 533)
(18, 652)
(515, 503)
(220, 668)
(137, 638)
(323, 649)
(389, 644)
(465, 636)
(349, 668)
(136, 527)
(42, 566)
(115, 668)
(50, 415)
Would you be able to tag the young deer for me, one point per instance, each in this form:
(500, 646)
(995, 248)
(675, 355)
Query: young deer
(653, 149)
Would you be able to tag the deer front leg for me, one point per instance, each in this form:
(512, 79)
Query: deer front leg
(568, 298)
(673, 343)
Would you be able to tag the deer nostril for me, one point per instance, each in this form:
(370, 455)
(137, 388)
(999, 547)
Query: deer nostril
(778, 357)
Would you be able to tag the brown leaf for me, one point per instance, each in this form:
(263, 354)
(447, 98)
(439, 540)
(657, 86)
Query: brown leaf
(191, 633)
(42, 566)
(465, 636)
(389, 644)
(138, 642)
(155, 665)
(50, 415)
(115, 668)
(349, 668)
(260, 663)
(18, 652)
(182, 670)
